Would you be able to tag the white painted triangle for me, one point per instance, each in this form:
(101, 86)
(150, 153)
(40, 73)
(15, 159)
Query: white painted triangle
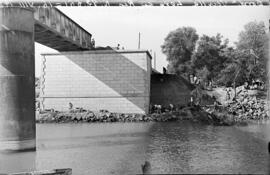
(76, 79)
(4, 71)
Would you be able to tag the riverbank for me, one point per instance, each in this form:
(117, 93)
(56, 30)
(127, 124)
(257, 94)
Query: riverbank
(204, 115)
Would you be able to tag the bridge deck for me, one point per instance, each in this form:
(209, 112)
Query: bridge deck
(56, 30)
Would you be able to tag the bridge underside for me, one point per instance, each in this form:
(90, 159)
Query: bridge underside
(53, 40)
(55, 30)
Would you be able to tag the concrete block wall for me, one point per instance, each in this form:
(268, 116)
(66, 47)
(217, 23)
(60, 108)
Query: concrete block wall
(118, 81)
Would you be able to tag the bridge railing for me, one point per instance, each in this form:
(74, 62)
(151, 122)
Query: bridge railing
(63, 25)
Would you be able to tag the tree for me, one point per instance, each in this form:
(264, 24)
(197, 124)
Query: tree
(178, 46)
(236, 68)
(209, 55)
(249, 59)
(254, 41)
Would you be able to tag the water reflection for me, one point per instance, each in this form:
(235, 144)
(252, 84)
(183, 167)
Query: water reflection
(192, 148)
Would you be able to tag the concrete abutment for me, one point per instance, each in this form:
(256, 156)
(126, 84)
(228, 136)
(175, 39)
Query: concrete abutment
(17, 79)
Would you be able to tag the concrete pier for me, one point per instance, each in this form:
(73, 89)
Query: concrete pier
(17, 79)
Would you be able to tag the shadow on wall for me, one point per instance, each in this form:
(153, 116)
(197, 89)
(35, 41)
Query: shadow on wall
(118, 72)
(169, 89)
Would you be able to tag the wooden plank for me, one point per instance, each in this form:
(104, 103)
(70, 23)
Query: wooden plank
(66, 171)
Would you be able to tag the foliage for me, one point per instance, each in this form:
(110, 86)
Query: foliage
(248, 60)
(254, 42)
(204, 74)
(214, 60)
(235, 70)
(178, 47)
(209, 55)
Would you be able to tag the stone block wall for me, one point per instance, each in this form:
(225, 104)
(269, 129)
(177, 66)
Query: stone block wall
(118, 81)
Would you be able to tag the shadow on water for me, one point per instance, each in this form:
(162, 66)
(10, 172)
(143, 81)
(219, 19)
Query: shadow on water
(17, 162)
(112, 148)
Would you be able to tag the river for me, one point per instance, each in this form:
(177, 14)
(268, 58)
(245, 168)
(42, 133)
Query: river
(121, 148)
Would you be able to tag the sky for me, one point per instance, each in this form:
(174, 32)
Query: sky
(112, 25)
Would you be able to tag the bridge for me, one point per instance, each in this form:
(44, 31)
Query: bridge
(56, 30)
(20, 27)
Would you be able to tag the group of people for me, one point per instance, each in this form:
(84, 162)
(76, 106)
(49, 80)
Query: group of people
(160, 109)
(208, 85)
(118, 47)
(194, 79)
(257, 84)
(228, 93)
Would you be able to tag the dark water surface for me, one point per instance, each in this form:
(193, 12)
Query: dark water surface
(121, 148)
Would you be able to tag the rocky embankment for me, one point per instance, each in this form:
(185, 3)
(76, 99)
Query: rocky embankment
(248, 108)
(191, 113)
(240, 111)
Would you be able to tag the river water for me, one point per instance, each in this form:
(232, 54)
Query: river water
(121, 148)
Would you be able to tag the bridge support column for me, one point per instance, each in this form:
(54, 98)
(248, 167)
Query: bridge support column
(17, 79)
